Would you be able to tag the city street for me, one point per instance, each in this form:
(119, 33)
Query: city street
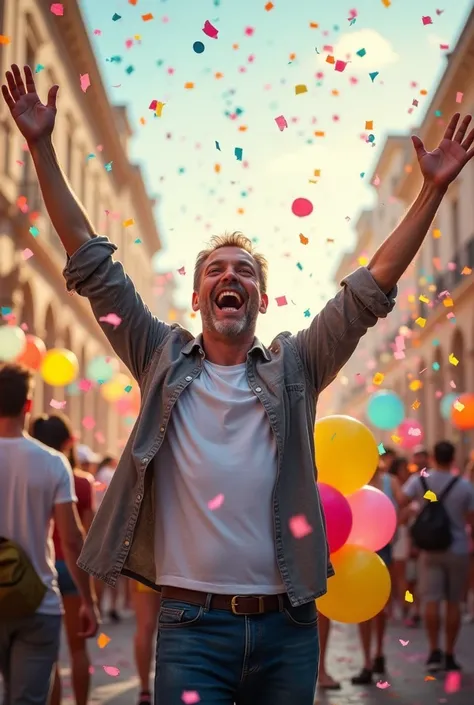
(405, 663)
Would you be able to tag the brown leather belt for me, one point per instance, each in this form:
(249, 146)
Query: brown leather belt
(244, 605)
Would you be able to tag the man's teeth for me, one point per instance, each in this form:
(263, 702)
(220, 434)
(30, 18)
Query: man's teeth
(233, 295)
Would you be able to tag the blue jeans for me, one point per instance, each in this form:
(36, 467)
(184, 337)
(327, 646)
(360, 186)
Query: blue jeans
(267, 659)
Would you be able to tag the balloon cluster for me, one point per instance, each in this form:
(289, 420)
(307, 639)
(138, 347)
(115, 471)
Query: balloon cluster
(59, 367)
(360, 520)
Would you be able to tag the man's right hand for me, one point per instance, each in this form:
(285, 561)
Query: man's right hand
(89, 617)
(34, 120)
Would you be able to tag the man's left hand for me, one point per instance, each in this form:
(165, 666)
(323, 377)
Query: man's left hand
(442, 166)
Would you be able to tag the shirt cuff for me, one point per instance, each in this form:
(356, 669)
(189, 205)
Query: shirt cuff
(363, 285)
(86, 259)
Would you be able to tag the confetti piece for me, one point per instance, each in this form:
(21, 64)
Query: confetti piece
(57, 9)
(34, 231)
(381, 449)
(27, 253)
(269, 6)
(304, 240)
(386, 3)
(159, 108)
(215, 503)
(238, 151)
(408, 596)
(189, 85)
(210, 30)
(452, 682)
(361, 52)
(436, 233)
(116, 17)
(198, 47)
(403, 643)
(458, 405)
(373, 75)
(88, 422)
(378, 378)
(281, 301)
(182, 271)
(111, 318)
(4, 39)
(147, 17)
(281, 122)
(127, 223)
(102, 640)
(301, 207)
(383, 684)
(190, 697)
(85, 82)
(466, 271)
(430, 496)
(369, 124)
(429, 678)
(340, 65)
(453, 360)
(300, 88)
(55, 404)
(299, 526)
(111, 670)
(421, 322)
(459, 97)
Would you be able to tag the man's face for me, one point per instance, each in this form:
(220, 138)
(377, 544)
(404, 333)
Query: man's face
(229, 296)
(421, 459)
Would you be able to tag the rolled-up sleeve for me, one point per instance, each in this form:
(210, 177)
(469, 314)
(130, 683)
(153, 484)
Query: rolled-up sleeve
(126, 321)
(333, 335)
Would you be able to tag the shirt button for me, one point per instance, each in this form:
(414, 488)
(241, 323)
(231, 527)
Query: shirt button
(144, 461)
(258, 389)
(126, 543)
(162, 429)
(188, 378)
(139, 497)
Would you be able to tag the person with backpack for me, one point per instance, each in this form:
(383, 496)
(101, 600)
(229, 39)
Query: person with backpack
(36, 487)
(439, 532)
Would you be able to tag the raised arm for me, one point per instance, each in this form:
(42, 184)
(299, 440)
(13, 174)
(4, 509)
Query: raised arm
(91, 271)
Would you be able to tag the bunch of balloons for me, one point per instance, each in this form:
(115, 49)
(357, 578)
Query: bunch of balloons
(360, 520)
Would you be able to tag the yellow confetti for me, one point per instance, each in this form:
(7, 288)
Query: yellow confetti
(458, 405)
(436, 233)
(448, 303)
(423, 299)
(127, 223)
(363, 261)
(453, 360)
(466, 270)
(369, 124)
(421, 322)
(408, 596)
(159, 108)
(396, 439)
(300, 88)
(416, 405)
(378, 378)
(430, 496)
(317, 172)
(415, 385)
(102, 640)
(304, 240)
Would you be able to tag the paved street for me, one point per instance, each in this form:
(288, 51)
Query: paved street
(406, 670)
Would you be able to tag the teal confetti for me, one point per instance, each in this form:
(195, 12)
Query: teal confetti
(362, 174)
(218, 146)
(116, 59)
(181, 170)
(438, 113)
(373, 75)
(129, 70)
(6, 310)
(108, 167)
(371, 138)
(238, 151)
(300, 266)
(436, 366)
(137, 241)
(90, 156)
(34, 231)
(116, 17)
(435, 342)
(361, 52)
(381, 449)
(128, 388)
(307, 313)
(160, 62)
(39, 68)
(353, 21)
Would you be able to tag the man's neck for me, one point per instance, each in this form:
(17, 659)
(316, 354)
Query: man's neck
(222, 351)
(11, 428)
(443, 468)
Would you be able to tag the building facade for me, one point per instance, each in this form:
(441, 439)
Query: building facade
(425, 348)
(91, 139)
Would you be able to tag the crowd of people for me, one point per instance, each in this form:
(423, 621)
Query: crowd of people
(51, 487)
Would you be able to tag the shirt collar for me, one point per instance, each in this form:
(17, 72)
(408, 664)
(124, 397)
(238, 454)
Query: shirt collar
(197, 343)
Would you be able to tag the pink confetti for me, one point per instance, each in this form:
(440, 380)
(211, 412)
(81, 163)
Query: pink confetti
(111, 318)
(281, 122)
(190, 697)
(299, 526)
(452, 682)
(26, 254)
(210, 30)
(249, 31)
(340, 65)
(423, 473)
(427, 20)
(85, 82)
(215, 503)
(444, 47)
(281, 301)
(57, 9)
(57, 404)
(99, 437)
(459, 97)
(111, 670)
(88, 422)
(383, 685)
(403, 643)
(85, 385)
(182, 271)
(97, 32)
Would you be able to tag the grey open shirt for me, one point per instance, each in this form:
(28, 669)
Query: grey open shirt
(165, 359)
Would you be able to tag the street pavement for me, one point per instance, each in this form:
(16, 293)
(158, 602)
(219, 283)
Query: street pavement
(114, 681)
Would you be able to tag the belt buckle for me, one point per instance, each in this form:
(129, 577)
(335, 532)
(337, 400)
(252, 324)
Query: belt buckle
(234, 605)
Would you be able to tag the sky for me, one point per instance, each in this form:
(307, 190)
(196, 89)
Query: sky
(216, 157)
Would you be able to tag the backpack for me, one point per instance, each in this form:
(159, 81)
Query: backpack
(21, 588)
(431, 530)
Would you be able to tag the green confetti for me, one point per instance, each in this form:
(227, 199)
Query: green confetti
(34, 231)
(381, 449)
(128, 388)
(129, 70)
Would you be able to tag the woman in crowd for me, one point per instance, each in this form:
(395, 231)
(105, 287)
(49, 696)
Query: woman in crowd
(56, 432)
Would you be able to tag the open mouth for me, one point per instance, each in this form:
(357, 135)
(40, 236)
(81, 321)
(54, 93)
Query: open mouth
(229, 301)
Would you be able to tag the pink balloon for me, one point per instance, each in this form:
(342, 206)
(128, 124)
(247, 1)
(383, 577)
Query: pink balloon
(338, 516)
(302, 207)
(411, 433)
(374, 518)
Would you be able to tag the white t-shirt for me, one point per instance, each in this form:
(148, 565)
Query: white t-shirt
(214, 527)
(33, 478)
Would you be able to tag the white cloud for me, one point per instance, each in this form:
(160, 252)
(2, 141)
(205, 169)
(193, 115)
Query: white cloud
(379, 51)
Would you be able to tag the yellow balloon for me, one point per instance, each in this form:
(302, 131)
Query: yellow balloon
(115, 389)
(346, 453)
(59, 367)
(359, 590)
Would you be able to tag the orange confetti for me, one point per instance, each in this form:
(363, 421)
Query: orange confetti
(240, 211)
(235, 46)
(132, 2)
(317, 172)
(330, 59)
(448, 303)
(466, 270)
(335, 92)
(217, 168)
(127, 223)
(147, 17)
(415, 385)
(378, 378)
(269, 6)
(369, 124)
(4, 39)
(423, 91)
(218, 75)
(319, 133)
(416, 405)
(304, 240)
(189, 85)
(103, 640)
(292, 56)
(142, 121)
(436, 233)
(313, 25)
(430, 678)
(386, 3)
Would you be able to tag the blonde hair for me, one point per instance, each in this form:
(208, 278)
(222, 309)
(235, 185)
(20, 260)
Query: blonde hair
(235, 239)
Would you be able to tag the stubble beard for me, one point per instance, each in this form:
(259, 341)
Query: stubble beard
(230, 328)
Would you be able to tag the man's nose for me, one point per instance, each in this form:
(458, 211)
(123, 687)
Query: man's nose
(229, 274)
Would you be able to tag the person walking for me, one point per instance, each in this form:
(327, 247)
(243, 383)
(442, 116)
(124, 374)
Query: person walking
(442, 537)
(56, 432)
(36, 487)
(214, 502)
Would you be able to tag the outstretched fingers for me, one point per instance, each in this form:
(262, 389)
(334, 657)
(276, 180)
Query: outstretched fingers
(18, 79)
(7, 97)
(459, 136)
(468, 141)
(30, 81)
(451, 128)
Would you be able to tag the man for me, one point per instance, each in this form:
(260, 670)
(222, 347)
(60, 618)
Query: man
(36, 486)
(421, 458)
(444, 574)
(214, 500)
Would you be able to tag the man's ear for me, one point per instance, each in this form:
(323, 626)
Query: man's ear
(195, 301)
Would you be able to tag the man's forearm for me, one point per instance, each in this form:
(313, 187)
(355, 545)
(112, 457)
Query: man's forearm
(395, 254)
(66, 213)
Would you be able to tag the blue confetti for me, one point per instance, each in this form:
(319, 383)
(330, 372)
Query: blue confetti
(238, 151)
(108, 167)
(198, 47)
(218, 146)
(373, 75)
(116, 17)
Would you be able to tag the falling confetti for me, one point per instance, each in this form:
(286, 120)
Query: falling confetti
(302, 207)
(103, 640)
(299, 526)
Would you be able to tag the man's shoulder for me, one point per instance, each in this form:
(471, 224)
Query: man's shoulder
(44, 455)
